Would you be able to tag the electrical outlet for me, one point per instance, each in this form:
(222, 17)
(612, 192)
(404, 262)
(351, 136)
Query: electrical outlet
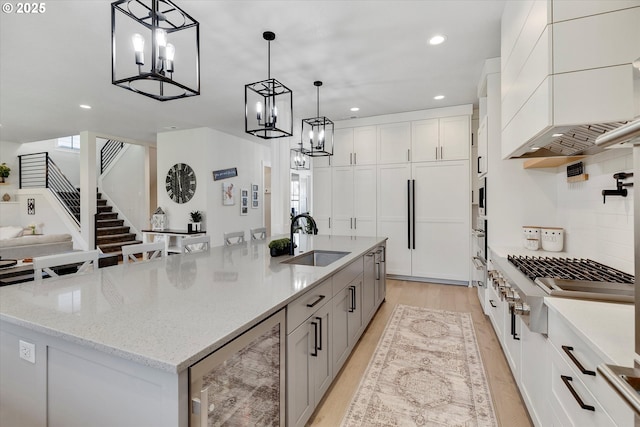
(27, 351)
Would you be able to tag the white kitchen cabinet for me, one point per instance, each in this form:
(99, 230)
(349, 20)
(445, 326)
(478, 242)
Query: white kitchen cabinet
(535, 382)
(322, 194)
(446, 138)
(354, 201)
(573, 356)
(425, 140)
(355, 146)
(365, 145)
(393, 216)
(342, 147)
(548, 61)
(394, 143)
(482, 159)
(342, 201)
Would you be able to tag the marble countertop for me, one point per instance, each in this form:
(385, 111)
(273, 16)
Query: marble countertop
(608, 327)
(168, 313)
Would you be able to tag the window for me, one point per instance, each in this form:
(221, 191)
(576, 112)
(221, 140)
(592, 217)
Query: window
(69, 143)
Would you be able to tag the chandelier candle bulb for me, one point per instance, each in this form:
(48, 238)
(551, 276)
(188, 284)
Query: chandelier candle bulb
(138, 47)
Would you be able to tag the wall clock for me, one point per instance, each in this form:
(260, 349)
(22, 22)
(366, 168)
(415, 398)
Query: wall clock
(180, 183)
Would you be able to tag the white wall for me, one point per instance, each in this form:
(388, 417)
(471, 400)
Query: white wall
(67, 160)
(124, 184)
(602, 231)
(206, 150)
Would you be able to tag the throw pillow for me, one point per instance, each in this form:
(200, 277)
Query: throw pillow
(9, 232)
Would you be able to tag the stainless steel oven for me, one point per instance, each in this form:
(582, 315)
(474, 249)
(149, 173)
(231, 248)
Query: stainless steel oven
(482, 197)
(479, 258)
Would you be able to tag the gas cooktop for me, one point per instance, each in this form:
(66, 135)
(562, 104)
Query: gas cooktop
(569, 269)
(577, 278)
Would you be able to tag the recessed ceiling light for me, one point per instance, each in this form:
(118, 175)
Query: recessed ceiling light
(534, 148)
(437, 39)
(171, 127)
(85, 106)
(555, 135)
(355, 109)
(438, 97)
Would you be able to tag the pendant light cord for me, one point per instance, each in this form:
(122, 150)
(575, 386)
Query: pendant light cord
(269, 59)
(317, 101)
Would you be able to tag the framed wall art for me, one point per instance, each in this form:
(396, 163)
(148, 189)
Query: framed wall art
(254, 196)
(227, 194)
(244, 201)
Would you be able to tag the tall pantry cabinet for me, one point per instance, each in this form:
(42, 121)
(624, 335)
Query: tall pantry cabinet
(406, 177)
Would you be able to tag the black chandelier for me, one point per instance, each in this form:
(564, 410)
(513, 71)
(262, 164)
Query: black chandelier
(299, 160)
(172, 63)
(316, 139)
(268, 104)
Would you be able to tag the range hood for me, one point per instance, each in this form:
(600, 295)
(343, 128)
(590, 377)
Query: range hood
(571, 141)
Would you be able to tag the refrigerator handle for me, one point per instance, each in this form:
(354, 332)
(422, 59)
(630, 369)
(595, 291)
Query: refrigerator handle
(413, 215)
(408, 214)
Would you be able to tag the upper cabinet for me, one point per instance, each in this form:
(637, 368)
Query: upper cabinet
(565, 63)
(354, 146)
(394, 143)
(448, 138)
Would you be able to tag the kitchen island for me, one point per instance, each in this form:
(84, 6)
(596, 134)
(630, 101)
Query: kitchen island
(117, 344)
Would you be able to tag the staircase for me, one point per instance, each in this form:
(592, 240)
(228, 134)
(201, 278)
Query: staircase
(111, 234)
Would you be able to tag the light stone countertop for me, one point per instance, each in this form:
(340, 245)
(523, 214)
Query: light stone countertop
(169, 313)
(608, 327)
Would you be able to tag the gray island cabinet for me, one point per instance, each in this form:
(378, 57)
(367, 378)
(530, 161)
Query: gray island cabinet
(157, 343)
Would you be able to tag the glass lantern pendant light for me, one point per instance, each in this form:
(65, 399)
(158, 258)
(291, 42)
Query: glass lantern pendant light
(155, 49)
(317, 132)
(268, 104)
(299, 160)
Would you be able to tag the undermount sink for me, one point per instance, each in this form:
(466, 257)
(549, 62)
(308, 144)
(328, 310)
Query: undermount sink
(316, 258)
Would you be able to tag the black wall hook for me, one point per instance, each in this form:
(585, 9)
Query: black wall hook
(620, 186)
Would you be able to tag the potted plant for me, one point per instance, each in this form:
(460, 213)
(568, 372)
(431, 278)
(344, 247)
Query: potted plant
(196, 220)
(4, 171)
(280, 246)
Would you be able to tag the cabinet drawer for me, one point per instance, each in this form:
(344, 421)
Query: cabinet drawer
(565, 404)
(343, 277)
(303, 307)
(561, 334)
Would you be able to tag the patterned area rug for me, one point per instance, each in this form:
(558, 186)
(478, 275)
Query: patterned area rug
(426, 371)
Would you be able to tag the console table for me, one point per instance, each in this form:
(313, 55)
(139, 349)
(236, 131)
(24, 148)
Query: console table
(170, 237)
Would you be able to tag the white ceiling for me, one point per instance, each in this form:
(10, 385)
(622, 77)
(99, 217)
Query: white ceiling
(370, 54)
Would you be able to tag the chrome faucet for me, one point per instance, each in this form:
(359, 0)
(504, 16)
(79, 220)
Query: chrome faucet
(293, 223)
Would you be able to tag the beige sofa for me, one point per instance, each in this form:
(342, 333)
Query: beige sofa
(29, 246)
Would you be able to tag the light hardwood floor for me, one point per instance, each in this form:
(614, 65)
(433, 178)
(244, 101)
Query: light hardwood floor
(510, 409)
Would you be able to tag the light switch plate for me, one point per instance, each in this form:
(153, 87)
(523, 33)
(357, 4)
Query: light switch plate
(27, 351)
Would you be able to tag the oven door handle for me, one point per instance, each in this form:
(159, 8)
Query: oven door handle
(478, 263)
(477, 233)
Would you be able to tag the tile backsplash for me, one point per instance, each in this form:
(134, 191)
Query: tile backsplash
(600, 231)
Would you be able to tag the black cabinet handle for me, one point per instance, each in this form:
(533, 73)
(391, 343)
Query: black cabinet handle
(314, 353)
(319, 319)
(492, 303)
(352, 291)
(566, 380)
(567, 349)
(413, 197)
(479, 157)
(313, 304)
(408, 214)
(513, 324)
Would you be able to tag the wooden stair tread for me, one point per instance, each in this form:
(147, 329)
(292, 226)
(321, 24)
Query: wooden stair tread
(105, 247)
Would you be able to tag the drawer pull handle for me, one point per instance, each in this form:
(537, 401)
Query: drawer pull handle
(313, 304)
(565, 380)
(567, 349)
(492, 303)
